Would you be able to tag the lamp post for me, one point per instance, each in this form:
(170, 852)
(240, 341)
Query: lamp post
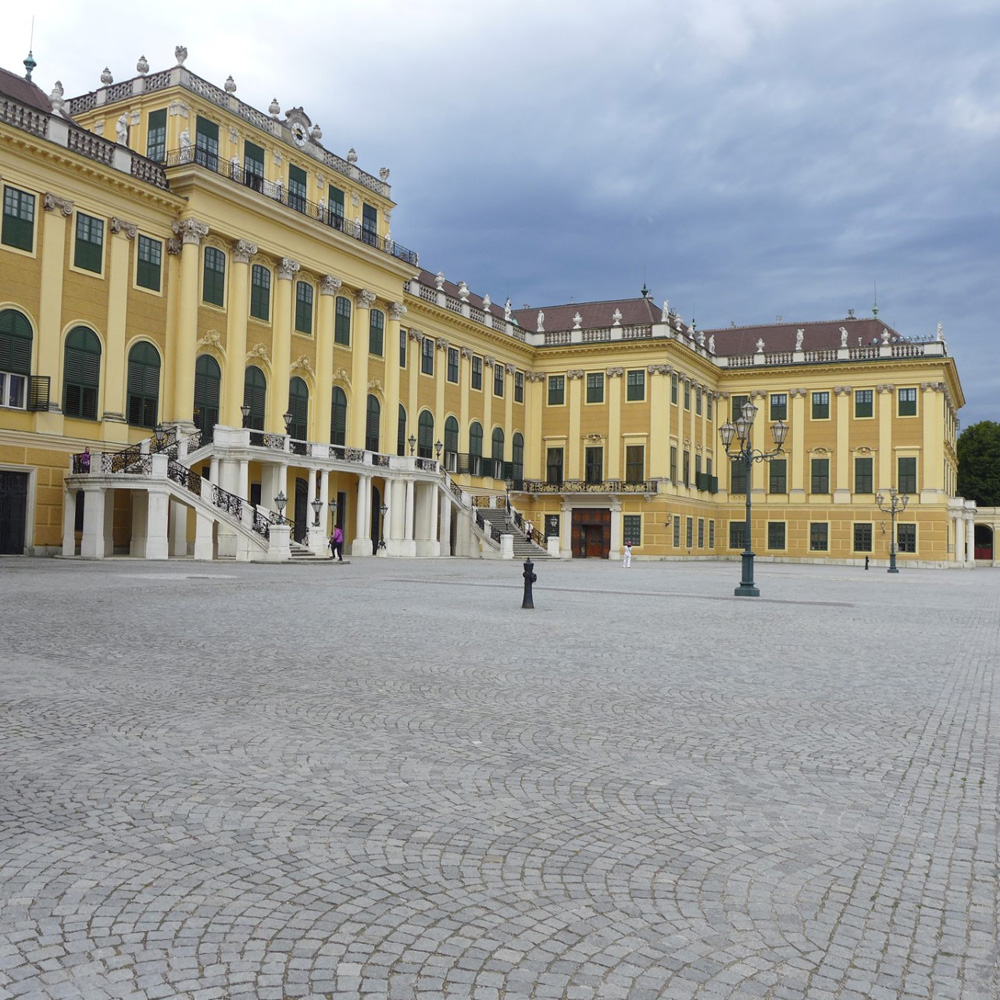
(317, 506)
(893, 505)
(437, 448)
(245, 410)
(383, 510)
(742, 431)
(412, 443)
(509, 485)
(288, 416)
(279, 501)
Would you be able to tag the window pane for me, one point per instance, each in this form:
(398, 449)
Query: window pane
(907, 402)
(557, 390)
(778, 476)
(260, 292)
(632, 529)
(775, 534)
(863, 403)
(149, 258)
(156, 135)
(18, 219)
(214, 283)
(820, 405)
(89, 252)
(863, 476)
(376, 326)
(303, 307)
(636, 387)
(862, 538)
(342, 325)
(818, 537)
(779, 406)
(595, 387)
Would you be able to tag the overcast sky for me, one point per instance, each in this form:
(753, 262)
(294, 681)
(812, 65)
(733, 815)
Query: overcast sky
(747, 159)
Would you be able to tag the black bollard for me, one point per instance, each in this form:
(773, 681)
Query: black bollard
(866, 562)
(529, 579)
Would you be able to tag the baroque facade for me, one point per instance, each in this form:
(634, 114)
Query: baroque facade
(211, 344)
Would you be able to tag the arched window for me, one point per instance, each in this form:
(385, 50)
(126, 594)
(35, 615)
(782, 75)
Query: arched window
(401, 431)
(207, 385)
(254, 396)
(81, 373)
(298, 406)
(476, 448)
(373, 419)
(517, 459)
(15, 357)
(497, 453)
(425, 435)
(143, 384)
(451, 444)
(338, 419)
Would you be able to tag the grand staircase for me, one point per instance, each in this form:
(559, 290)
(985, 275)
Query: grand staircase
(523, 549)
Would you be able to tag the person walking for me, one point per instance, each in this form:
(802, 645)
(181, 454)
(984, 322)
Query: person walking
(627, 561)
(337, 543)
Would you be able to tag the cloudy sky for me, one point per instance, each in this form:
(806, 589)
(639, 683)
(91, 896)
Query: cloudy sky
(747, 159)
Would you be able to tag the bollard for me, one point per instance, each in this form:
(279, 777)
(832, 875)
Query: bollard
(866, 562)
(529, 579)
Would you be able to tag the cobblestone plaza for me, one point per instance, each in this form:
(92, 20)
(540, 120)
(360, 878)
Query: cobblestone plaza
(386, 780)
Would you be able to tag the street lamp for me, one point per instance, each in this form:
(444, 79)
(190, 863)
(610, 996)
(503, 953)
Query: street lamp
(509, 484)
(895, 504)
(437, 448)
(279, 501)
(288, 417)
(245, 410)
(413, 443)
(381, 529)
(742, 431)
(317, 506)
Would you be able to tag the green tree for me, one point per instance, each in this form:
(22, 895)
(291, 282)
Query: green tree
(979, 463)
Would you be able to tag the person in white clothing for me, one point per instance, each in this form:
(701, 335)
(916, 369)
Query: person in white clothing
(627, 561)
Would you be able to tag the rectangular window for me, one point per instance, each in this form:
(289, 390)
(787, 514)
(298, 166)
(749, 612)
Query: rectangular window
(737, 534)
(635, 389)
(453, 364)
(632, 529)
(477, 372)
(711, 534)
(906, 538)
(595, 387)
(776, 534)
(864, 405)
(709, 407)
(557, 390)
(862, 538)
(635, 463)
(779, 406)
(18, 219)
(699, 484)
(777, 479)
(686, 468)
(554, 466)
(819, 475)
(336, 209)
(253, 166)
(156, 135)
(518, 387)
(12, 388)
(149, 260)
(89, 253)
(697, 401)
(498, 373)
(260, 292)
(819, 536)
(206, 143)
(906, 475)
(342, 324)
(403, 335)
(907, 402)
(677, 531)
(427, 356)
(737, 476)
(214, 277)
(296, 188)
(863, 475)
(736, 407)
(687, 395)
(303, 307)
(821, 405)
(673, 463)
(701, 532)
(689, 532)
(376, 329)
(673, 387)
(594, 467)
(369, 224)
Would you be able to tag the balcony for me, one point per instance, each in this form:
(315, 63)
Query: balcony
(294, 201)
(581, 486)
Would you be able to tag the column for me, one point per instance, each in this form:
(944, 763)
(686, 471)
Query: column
(960, 542)
(394, 317)
(465, 384)
(658, 460)
(281, 346)
(203, 537)
(797, 451)
(444, 528)
(356, 427)
(886, 473)
(534, 445)
(574, 385)
(322, 410)
(236, 333)
(48, 352)
(157, 502)
(115, 358)
(488, 363)
(970, 537)
(69, 523)
(178, 528)
(92, 542)
(180, 359)
(362, 543)
(842, 481)
(613, 467)
(408, 511)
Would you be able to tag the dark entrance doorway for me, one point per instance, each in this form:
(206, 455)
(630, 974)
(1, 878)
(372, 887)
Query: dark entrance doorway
(983, 542)
(13, 512)
(301, 509)
(591, 534)
(376, 517)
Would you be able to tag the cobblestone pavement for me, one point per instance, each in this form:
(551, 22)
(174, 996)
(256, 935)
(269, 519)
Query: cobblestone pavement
(386, 780)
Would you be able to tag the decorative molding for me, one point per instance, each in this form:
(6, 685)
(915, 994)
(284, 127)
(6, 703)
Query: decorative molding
(593, 437)
(190, 231)
(797, 392)
(865, 450)
(535, 376)
(375, 383)
(329, 285)
(441, 344)
(615, 372)
(415, 334)
(288, 268)
(758, 394)
(258, 351)
(178, 109)
(510, 369)
(659, 369)
(52, 202)
(820, 450)
(364, 299)
(174, 246)
(342, 375)
(842, 390)
(396, 310)
(933, 386)
(489, 361)
(574, 373)
(466, 352)
(211, 339)
(884, 387)
(302, 363)
(243, 250)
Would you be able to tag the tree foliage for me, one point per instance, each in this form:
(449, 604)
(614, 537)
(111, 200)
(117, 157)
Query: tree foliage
(979, 463)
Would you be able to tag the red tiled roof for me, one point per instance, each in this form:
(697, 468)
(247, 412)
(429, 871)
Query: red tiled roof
(429, 280)
(779, 337)
(17, 88)
(593, 315)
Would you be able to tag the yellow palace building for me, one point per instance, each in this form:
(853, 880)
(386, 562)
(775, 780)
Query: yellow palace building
(212, 345)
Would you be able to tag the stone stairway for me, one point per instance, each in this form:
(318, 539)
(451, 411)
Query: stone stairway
(303, 554)
(523, 549)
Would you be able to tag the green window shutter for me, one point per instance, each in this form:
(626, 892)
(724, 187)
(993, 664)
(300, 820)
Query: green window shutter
(18, 219)
(303, 307)
(296, 188)
(336, 202)
(149, 260)
(82, 368)
(342, 324)
(214, 283)
(15, 342)
(156, 135)
(255, 396)
(376, 327)
(260, 292)
(206, 151)
(89, 250)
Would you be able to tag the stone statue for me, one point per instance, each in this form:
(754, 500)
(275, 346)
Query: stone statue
(843, 336)
(507, 312)
(121, 130)
(760, 346)
(185, 143)
(711, 344)
(541, 321)
(940, 331)
(665, 315)
(799, 334)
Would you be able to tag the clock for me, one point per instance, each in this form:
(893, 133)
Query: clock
(299, 134)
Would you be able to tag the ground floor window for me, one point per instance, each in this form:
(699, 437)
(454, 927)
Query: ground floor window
(776, 534)
(906, 538)
(677, 532)
(819, 537)
(737, 534)
(862, 538)
(632, 529)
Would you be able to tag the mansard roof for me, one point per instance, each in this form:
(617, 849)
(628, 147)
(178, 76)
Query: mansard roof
(24, 91)
(780, 337)
(641, 311)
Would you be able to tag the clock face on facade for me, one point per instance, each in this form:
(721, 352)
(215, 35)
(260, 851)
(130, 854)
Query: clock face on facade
(299, 133)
